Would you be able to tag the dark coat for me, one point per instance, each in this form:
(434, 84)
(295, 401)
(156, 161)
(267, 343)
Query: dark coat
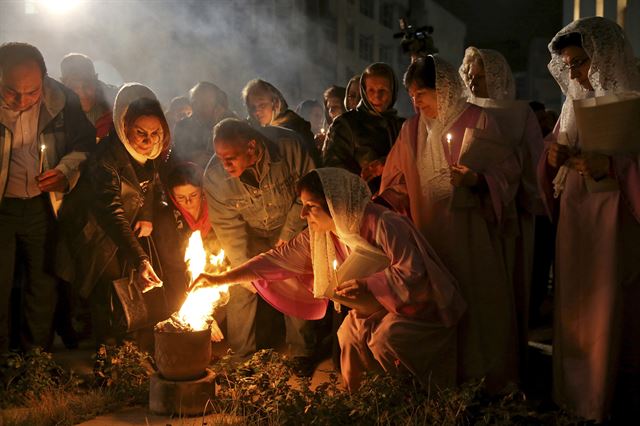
(99, 215)
(292, 121)
(363, 135)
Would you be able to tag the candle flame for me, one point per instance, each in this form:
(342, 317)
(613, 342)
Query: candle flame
(449, 138)
(197, 309)
(335, 264)
(43, 147)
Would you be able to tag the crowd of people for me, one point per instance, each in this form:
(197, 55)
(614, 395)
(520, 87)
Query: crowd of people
(445, 222)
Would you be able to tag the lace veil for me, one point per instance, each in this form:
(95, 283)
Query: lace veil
(347, 196)
(432, 164)
(613, 70)
(498, 75)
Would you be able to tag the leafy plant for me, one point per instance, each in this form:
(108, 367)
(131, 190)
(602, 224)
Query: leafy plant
(124, 371)
(28, 376)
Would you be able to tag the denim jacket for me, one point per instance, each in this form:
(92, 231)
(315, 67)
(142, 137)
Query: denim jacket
(238, 209)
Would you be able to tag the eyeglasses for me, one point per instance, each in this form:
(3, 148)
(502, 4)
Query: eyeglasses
(575, 64)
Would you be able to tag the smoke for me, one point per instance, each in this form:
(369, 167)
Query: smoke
(171, 45)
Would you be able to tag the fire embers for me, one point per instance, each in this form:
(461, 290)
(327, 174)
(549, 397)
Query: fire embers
(197, 310)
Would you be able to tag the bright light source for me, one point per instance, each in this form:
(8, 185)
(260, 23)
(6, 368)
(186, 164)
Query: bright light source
(59, 7)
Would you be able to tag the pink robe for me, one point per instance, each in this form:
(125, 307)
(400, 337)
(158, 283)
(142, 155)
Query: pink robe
(469, 240)
(416, 329)
(520, 125)
(596, 345)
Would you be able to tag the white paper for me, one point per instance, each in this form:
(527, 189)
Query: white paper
(361, 264)
(609, 124)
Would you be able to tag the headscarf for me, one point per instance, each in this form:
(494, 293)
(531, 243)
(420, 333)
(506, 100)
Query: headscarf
(355, 79)
(364, 104)
(127, 94)
(432, 164)
(498, 75)
(347, 197)
(613, 70)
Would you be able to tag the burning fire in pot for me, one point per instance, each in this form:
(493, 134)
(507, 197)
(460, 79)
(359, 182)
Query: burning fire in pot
(183, 342)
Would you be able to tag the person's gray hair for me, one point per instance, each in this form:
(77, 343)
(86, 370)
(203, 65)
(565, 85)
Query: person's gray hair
(219, 94)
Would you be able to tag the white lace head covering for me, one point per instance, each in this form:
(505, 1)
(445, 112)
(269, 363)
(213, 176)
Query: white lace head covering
(347, 196)
(498, 75)
(433, 167)
(613, 70)
(129, 93)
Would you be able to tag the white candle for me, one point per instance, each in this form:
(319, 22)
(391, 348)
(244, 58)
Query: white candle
(43, 148)
(449, 146)
(336, 305)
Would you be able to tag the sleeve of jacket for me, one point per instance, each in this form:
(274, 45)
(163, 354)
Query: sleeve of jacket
(146, 211)
(109, 212)
(228, 224)
(80, 139)
(339, 147)
(300, 163)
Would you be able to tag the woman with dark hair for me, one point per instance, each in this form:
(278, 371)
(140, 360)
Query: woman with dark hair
(595, 198)
(452, 173)
(352, 93)
(333, 103)
(359, 140)
(112, 206)
(311, 110)
(405, 304)
(184, 213)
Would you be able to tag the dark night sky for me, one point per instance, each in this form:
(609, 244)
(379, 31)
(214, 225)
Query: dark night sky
(507, 25)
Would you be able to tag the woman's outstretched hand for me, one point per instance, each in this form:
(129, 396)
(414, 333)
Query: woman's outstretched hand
(207, 280)
(356, 295)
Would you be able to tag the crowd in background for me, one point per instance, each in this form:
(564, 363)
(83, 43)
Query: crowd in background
(475, 203)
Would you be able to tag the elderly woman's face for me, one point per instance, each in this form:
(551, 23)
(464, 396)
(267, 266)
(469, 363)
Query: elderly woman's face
(378, 91)
(312, 210)
(425, 100)
(189, 197)
(578, 62)
(477, 79)
(145, 133)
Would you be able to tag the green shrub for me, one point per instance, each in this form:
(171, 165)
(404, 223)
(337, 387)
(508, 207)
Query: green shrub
(124, 371)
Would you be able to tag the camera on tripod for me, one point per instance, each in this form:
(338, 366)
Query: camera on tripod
(416, 41)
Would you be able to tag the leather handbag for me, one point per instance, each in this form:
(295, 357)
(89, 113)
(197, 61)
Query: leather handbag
(141, 310)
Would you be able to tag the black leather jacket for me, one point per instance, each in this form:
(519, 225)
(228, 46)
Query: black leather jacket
(99, 214)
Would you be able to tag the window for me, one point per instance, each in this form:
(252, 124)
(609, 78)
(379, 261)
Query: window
(386, 15)
(365, 48)
(350, 37)
(367, 8)
(386, 54)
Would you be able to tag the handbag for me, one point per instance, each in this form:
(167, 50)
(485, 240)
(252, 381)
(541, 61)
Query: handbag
(141, 310)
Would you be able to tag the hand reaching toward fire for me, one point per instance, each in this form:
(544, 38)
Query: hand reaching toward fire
(208, 280)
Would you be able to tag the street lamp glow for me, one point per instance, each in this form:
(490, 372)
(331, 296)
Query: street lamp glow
(59, 7)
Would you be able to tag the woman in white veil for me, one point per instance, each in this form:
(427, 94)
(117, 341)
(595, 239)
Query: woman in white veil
(462, 210)
(405, 304)
(596, 201)
(489, 80)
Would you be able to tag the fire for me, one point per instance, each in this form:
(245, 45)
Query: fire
(197, 310)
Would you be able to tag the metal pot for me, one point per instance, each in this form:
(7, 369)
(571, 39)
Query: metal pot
(182, 355)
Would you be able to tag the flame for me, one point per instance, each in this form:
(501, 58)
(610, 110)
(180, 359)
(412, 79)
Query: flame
(197, 310)
(335, 264)
(449, 138)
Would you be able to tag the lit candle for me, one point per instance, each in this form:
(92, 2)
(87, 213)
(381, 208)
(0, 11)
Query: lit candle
(43, 148)
(449, 146)
(336, 305)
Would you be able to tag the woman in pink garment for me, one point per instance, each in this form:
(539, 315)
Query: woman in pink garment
(463, 211)
(596, 201)
(403, 316)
